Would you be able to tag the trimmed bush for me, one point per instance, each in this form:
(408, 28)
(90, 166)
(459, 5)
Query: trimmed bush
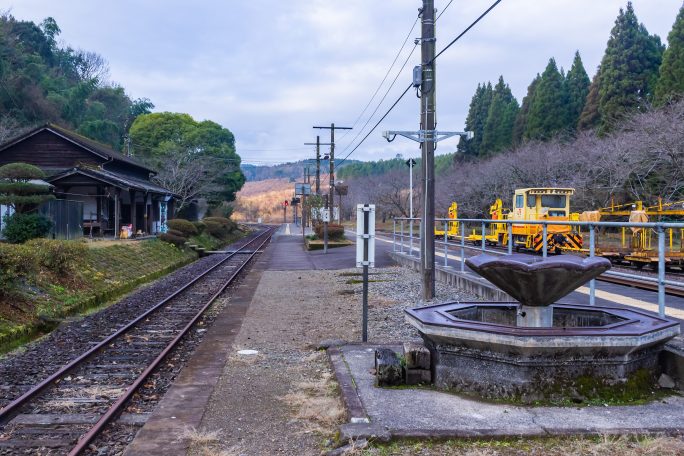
(228, 223)
(172, 239)
(19, 228)
(184, 226)
(201, 227)
(21, 171)
(176, 233)
(58, 256)
(14, 262)
(335, 232)
(216, 229)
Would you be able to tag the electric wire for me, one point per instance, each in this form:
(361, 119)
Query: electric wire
(396, 57)
(445, 8)
(451, 43)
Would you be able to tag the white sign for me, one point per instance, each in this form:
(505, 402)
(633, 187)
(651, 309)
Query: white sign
(325, 215)
(365, 235)
(302, 189)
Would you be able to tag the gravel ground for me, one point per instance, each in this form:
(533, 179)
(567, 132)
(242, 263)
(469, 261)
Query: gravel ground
(283, 400)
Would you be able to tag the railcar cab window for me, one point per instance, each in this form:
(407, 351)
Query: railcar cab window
(553, 201)
(519, 201)
(531, 200)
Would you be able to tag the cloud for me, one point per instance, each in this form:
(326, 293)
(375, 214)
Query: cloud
(270, 69)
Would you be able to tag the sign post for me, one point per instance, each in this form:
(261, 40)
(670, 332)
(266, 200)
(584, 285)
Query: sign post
(365, 253)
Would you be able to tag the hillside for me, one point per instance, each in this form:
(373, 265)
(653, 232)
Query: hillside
(263, 199)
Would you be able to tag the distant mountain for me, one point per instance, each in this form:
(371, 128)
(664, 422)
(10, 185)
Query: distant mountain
(294, 171)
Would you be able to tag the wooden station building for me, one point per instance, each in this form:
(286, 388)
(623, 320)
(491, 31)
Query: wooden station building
(116, 190)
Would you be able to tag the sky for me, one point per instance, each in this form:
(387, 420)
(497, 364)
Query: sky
(269, 70)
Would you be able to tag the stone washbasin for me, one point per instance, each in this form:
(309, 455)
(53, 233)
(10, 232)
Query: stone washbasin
(535, 281)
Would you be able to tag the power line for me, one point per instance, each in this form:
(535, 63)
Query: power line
(445, 8)
(487, 11)
(408, 35)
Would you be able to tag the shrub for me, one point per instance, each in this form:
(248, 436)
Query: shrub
(335, 232)
(184, 226)
(176, 233)
(21, 171)
(216, 229)
(228, 223)
(58, 256)
(173, 239)
(200, 227)
(14, 262)
(19, 228)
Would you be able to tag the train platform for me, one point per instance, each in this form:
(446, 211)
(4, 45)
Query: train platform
(249, 385)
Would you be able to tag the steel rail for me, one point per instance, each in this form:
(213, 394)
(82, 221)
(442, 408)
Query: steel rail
(118, 405)
(6, 412)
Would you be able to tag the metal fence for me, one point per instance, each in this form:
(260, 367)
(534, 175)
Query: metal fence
(403, 240)
(66, 216)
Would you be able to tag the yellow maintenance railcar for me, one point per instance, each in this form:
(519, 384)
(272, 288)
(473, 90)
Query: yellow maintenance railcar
(452, 227)
(534, 204)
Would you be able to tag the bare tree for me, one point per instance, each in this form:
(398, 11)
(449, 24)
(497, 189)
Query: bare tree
(92, 66)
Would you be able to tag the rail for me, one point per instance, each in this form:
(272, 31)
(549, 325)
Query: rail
(400, 244)
(7, 412)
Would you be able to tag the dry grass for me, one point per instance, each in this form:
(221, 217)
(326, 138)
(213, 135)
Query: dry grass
(316, 402)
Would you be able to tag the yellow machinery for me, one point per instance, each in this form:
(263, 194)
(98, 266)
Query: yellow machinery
(535, 204)
(452, 227)
(638, 245)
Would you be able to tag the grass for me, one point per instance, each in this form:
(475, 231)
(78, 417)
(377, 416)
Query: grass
(604, 445)
(105, 273)
(317, 244)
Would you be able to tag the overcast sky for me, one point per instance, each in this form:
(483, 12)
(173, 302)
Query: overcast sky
(271, 69)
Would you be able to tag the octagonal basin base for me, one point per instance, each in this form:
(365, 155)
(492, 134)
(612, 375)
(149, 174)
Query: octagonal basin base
(479, 348)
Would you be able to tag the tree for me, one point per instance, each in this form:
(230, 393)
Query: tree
(523, 115)
(629, 69)
(577, 88)
(671, 81)
(17, 189)
(498, 129)
(477, 117)
(549, 110)
(200, 154)
(590, 116)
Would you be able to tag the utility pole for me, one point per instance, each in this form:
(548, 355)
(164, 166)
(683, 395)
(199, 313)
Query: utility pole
(424, 79)
(329, 201)
(427, 237)
(318, 145)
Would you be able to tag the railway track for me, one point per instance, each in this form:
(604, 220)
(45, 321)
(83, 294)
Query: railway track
(63, 413)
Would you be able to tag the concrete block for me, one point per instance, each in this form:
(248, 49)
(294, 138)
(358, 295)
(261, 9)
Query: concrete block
(418, 376)
(387, 368)
(417, 355)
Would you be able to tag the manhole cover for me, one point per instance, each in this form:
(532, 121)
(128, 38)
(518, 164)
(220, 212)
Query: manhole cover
(247, 352)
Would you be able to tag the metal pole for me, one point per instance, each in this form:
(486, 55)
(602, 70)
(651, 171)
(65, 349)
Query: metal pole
(462, 246)
(318, 165)
(411, 201)
(545, 247)
(446, 240)
(510, 238)
(366, 240)
(325, 227)
(484, 234)
(394, 235)
(661, 271)
(401, 246)
(427, 118)
(592, 251)
(331, 189)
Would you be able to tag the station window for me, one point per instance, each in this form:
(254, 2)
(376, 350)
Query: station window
(519, 201)
(553, 200)
(531, 201)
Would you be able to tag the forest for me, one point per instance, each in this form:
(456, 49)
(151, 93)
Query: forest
(43, 80)
(618, 135)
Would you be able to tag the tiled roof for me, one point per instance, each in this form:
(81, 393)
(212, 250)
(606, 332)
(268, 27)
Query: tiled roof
(118, 180)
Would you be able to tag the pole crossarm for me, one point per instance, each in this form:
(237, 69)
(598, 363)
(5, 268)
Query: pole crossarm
(422, 136)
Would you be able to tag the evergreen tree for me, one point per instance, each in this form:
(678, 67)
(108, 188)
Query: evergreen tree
(549, 111)
(629, 68)
(577, 87)
(498, 129)
(590, 116)
(521, 119)
(475, 122)
(671, 81)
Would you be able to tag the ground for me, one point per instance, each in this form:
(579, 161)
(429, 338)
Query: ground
(283, 400)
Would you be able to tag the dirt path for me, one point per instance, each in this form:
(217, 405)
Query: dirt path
(283, 399)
